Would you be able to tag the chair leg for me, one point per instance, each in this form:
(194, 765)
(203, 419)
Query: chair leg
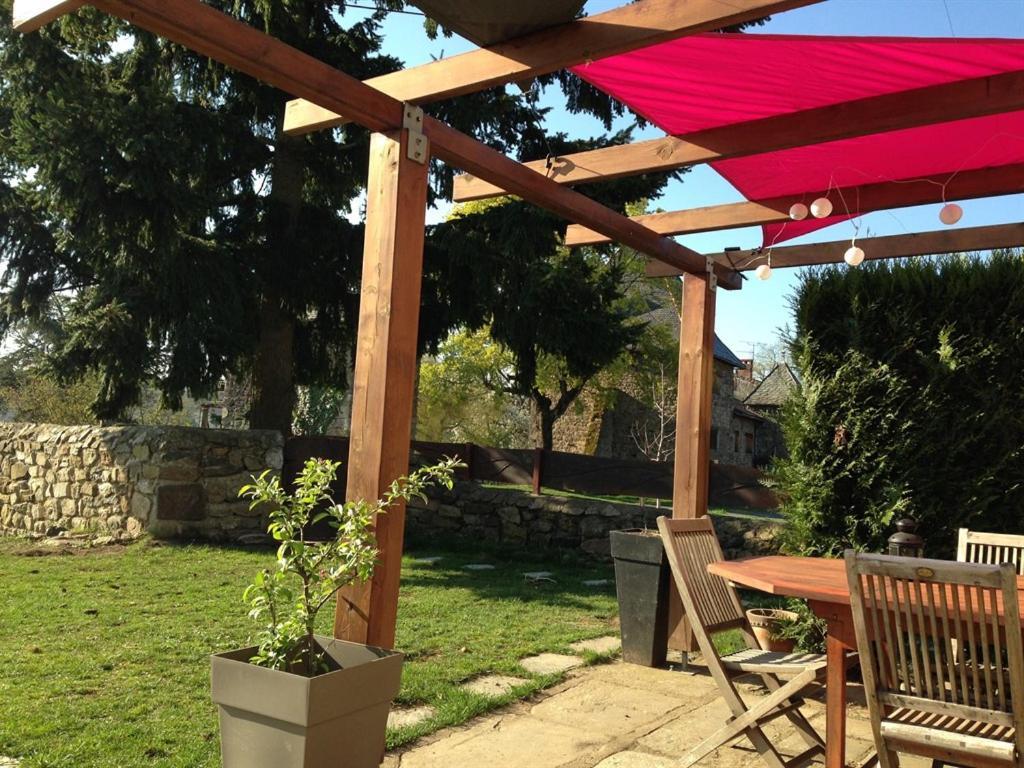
(804, 728)
(746, 723)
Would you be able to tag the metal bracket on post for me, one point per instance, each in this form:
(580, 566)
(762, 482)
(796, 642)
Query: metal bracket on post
(712, 277)
(412, 121)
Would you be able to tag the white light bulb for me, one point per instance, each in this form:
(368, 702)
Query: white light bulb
(821, 208)
(798, 211)
(950, 213)
(853, 256)
(763, 272)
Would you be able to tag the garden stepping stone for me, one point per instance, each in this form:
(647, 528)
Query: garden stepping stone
(597, 582)
(402, 717)
(8, 762)
(550, 663)
(538, 575)
(493, 685)
(478, 567)
(427, 560)
(607, 644)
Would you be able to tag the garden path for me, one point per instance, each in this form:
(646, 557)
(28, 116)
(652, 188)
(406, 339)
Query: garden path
(617, 715)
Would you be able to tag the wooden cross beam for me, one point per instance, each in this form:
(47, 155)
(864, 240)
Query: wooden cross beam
(908, 109)
(986, 182)
(941, 241)
(30, 15)
(207, 31)
(635, 25)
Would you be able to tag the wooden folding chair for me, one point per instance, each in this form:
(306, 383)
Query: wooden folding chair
(712, 606)
(991, 549)
(940, 650)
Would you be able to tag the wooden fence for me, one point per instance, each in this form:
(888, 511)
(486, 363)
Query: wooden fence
(588, 475)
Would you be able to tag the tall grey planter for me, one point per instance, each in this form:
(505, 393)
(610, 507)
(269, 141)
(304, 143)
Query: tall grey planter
(274, 719)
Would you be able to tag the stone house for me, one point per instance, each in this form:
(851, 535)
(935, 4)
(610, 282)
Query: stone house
(606, 424)
(766, 400)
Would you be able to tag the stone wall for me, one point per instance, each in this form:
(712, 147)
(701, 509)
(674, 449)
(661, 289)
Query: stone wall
(123, 481)
(475, 513)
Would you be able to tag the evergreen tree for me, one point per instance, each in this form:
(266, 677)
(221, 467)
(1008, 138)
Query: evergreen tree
(157, 188)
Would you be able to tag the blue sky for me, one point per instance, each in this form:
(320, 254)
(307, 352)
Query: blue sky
(753, 315)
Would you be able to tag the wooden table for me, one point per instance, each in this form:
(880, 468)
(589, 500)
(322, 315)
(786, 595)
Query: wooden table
(822, 583)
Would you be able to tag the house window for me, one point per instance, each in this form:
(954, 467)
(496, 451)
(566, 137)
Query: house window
(714, 438)
(749, 442)
(736, 441)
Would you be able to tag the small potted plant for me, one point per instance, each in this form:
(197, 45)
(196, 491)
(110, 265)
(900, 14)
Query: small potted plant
(297, 699)
(769, 625)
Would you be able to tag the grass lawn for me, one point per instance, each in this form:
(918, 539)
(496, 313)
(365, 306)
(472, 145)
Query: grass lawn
(105, 654)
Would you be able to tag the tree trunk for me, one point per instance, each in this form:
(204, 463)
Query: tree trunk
(273, 379)
(542, 422)
(273, 385)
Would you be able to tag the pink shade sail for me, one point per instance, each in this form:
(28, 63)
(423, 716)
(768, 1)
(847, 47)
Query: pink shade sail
(712, 80)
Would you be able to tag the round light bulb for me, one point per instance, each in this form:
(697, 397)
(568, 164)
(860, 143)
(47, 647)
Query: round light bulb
(798, 211)
(950, 213)
(853, 256)
(763, 272)
(821, 208)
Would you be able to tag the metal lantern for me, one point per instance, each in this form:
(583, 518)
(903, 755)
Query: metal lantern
(905, 542)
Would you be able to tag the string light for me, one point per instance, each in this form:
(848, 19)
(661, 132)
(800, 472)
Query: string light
(764, 271)
(798, 212)
(950, 214)
(854, 255)
(821, 208)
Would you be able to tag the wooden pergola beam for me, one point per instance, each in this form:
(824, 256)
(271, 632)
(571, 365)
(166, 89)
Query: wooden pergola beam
(218, 36)
(30, 15)
(634, 25)
(986, 182)
(933, 243)
(908, 109)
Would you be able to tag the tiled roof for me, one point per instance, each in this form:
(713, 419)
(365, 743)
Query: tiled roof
(774, 389)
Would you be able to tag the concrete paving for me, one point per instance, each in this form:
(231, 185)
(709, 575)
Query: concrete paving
(406, 716)
(550, 663)
(618, 716)
(493, 685)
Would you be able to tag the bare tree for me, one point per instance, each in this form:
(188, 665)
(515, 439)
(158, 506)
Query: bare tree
(655, 433)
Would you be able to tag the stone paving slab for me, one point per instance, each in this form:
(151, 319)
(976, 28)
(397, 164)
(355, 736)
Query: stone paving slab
(406, 716)
(550, 663)
(605, 708)
(8, 762)
(433, 560)
(517, 741)
(478, 567)
(635, 760)
(493, 685)
(597, 582)
(619, 716)
(608, 644)
(537, 575)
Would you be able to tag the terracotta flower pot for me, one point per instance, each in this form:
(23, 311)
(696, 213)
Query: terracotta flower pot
(274, 719)
(766, 623)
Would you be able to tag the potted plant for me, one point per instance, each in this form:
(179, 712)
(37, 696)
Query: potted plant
(297, 699)
(768, 625)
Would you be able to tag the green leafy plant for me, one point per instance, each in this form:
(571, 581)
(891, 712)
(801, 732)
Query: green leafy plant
(286, 600)
(807, 631)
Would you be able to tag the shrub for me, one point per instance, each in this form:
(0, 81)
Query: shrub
(911, 403)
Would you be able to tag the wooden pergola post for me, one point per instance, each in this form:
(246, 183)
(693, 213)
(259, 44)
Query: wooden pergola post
(385, 366)
(696, 378)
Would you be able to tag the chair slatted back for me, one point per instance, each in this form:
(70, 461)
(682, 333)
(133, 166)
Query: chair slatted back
(691, 545)
(938, 637)
(991, 548)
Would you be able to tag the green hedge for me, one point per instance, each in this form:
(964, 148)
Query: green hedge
(912, 403)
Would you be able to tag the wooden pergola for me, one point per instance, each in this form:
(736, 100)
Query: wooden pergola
(405, 138)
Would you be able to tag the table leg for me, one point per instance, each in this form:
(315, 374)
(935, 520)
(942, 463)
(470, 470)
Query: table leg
(835, 703)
